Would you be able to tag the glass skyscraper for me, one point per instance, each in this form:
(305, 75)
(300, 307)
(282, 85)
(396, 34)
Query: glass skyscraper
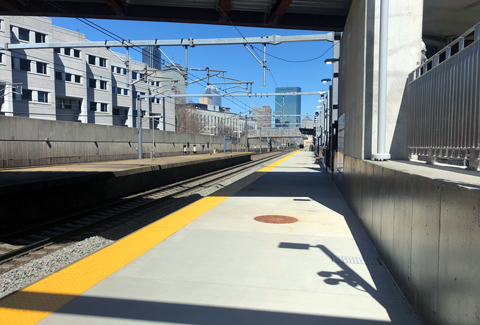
(287, 105)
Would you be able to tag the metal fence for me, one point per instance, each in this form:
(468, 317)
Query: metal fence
(444, 100)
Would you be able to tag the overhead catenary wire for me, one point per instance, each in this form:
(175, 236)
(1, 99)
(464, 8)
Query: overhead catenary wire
(119, 38)
(276, 57)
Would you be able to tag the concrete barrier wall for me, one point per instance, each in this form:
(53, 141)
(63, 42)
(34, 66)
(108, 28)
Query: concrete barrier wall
(80, 190)
(427, 232)
(23, 142)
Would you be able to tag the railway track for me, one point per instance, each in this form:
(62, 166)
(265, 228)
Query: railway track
(23, 246)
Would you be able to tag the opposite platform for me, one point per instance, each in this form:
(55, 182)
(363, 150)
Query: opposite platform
(213, 263)
(29, 194)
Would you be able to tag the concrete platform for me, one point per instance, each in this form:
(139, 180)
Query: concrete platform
(29, 194)
(213, 263)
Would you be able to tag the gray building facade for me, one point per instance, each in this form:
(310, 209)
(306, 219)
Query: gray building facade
(86, 85)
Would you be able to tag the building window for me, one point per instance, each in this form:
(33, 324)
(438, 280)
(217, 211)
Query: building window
(119, 70)
(26, 94)
(78, 79)
(125, 92)
(142, 75)
(113, 68)
(56, 50)
(41, 68)
(76, 53)
(63, 103)
(91, 59)
(24, 65)
(103, 84)
(102, 62)
(93, 106)
(92, 83)
(40, 38)
(58, 75)
(23, 34)
(42, 97)
(66, 51)
(68, 77)
(1, 58)
(103, 107)
(119, 91)
(134, 75)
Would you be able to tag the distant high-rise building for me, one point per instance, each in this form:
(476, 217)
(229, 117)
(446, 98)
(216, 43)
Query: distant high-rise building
(286, 106)
(263, 116)
(212, 89)
(152, 56)
(307, 122)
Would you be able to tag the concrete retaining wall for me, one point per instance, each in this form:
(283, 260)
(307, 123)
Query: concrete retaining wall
(22, 204)
(23, 142)
(358, 79)
(427, 232)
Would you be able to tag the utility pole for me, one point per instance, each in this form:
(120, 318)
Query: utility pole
(246, 133)
(268, 143)
(260, 139)
(140, 140)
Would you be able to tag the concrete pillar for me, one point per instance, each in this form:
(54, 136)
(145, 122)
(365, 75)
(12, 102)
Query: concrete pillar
(7, 107)
(432, 157)
(84, 111)
(473, 159)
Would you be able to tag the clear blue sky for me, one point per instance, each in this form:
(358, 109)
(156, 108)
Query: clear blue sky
(235, 59)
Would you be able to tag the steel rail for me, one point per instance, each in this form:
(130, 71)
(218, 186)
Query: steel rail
(6, 257)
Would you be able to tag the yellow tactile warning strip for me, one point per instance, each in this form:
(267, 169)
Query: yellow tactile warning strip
(278, 162)
(39, 300)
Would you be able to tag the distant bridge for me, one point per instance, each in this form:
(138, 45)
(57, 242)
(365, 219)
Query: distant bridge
(276, 133)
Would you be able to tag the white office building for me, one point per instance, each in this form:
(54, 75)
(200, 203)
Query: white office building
(221, 120)
(87, 85)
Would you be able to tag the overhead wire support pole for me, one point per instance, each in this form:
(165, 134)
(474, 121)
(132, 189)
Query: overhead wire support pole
(272, 40)
(186, 66)
(127, 65)
(264, 63)
(237, 95)
(140, 128)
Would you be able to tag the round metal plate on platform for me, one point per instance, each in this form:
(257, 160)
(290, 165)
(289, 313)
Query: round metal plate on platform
(276, 219)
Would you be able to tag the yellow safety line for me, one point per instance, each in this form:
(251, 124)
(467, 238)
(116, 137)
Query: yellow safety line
(51, 293)
(278, 162)
(42, 298)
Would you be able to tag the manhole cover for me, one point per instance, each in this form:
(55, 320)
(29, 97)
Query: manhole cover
(276, 219)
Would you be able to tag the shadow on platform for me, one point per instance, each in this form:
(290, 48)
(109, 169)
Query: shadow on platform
(175, 313)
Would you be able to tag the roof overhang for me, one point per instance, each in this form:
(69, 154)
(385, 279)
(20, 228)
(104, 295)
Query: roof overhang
(328, 15)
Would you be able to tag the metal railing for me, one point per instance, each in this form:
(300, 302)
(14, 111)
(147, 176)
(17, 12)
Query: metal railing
(444, 100)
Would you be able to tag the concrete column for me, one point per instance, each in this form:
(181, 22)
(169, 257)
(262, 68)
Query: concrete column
(473, 159)
(130, 117)
(432, 157)
(7, 108)
(84, 111)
